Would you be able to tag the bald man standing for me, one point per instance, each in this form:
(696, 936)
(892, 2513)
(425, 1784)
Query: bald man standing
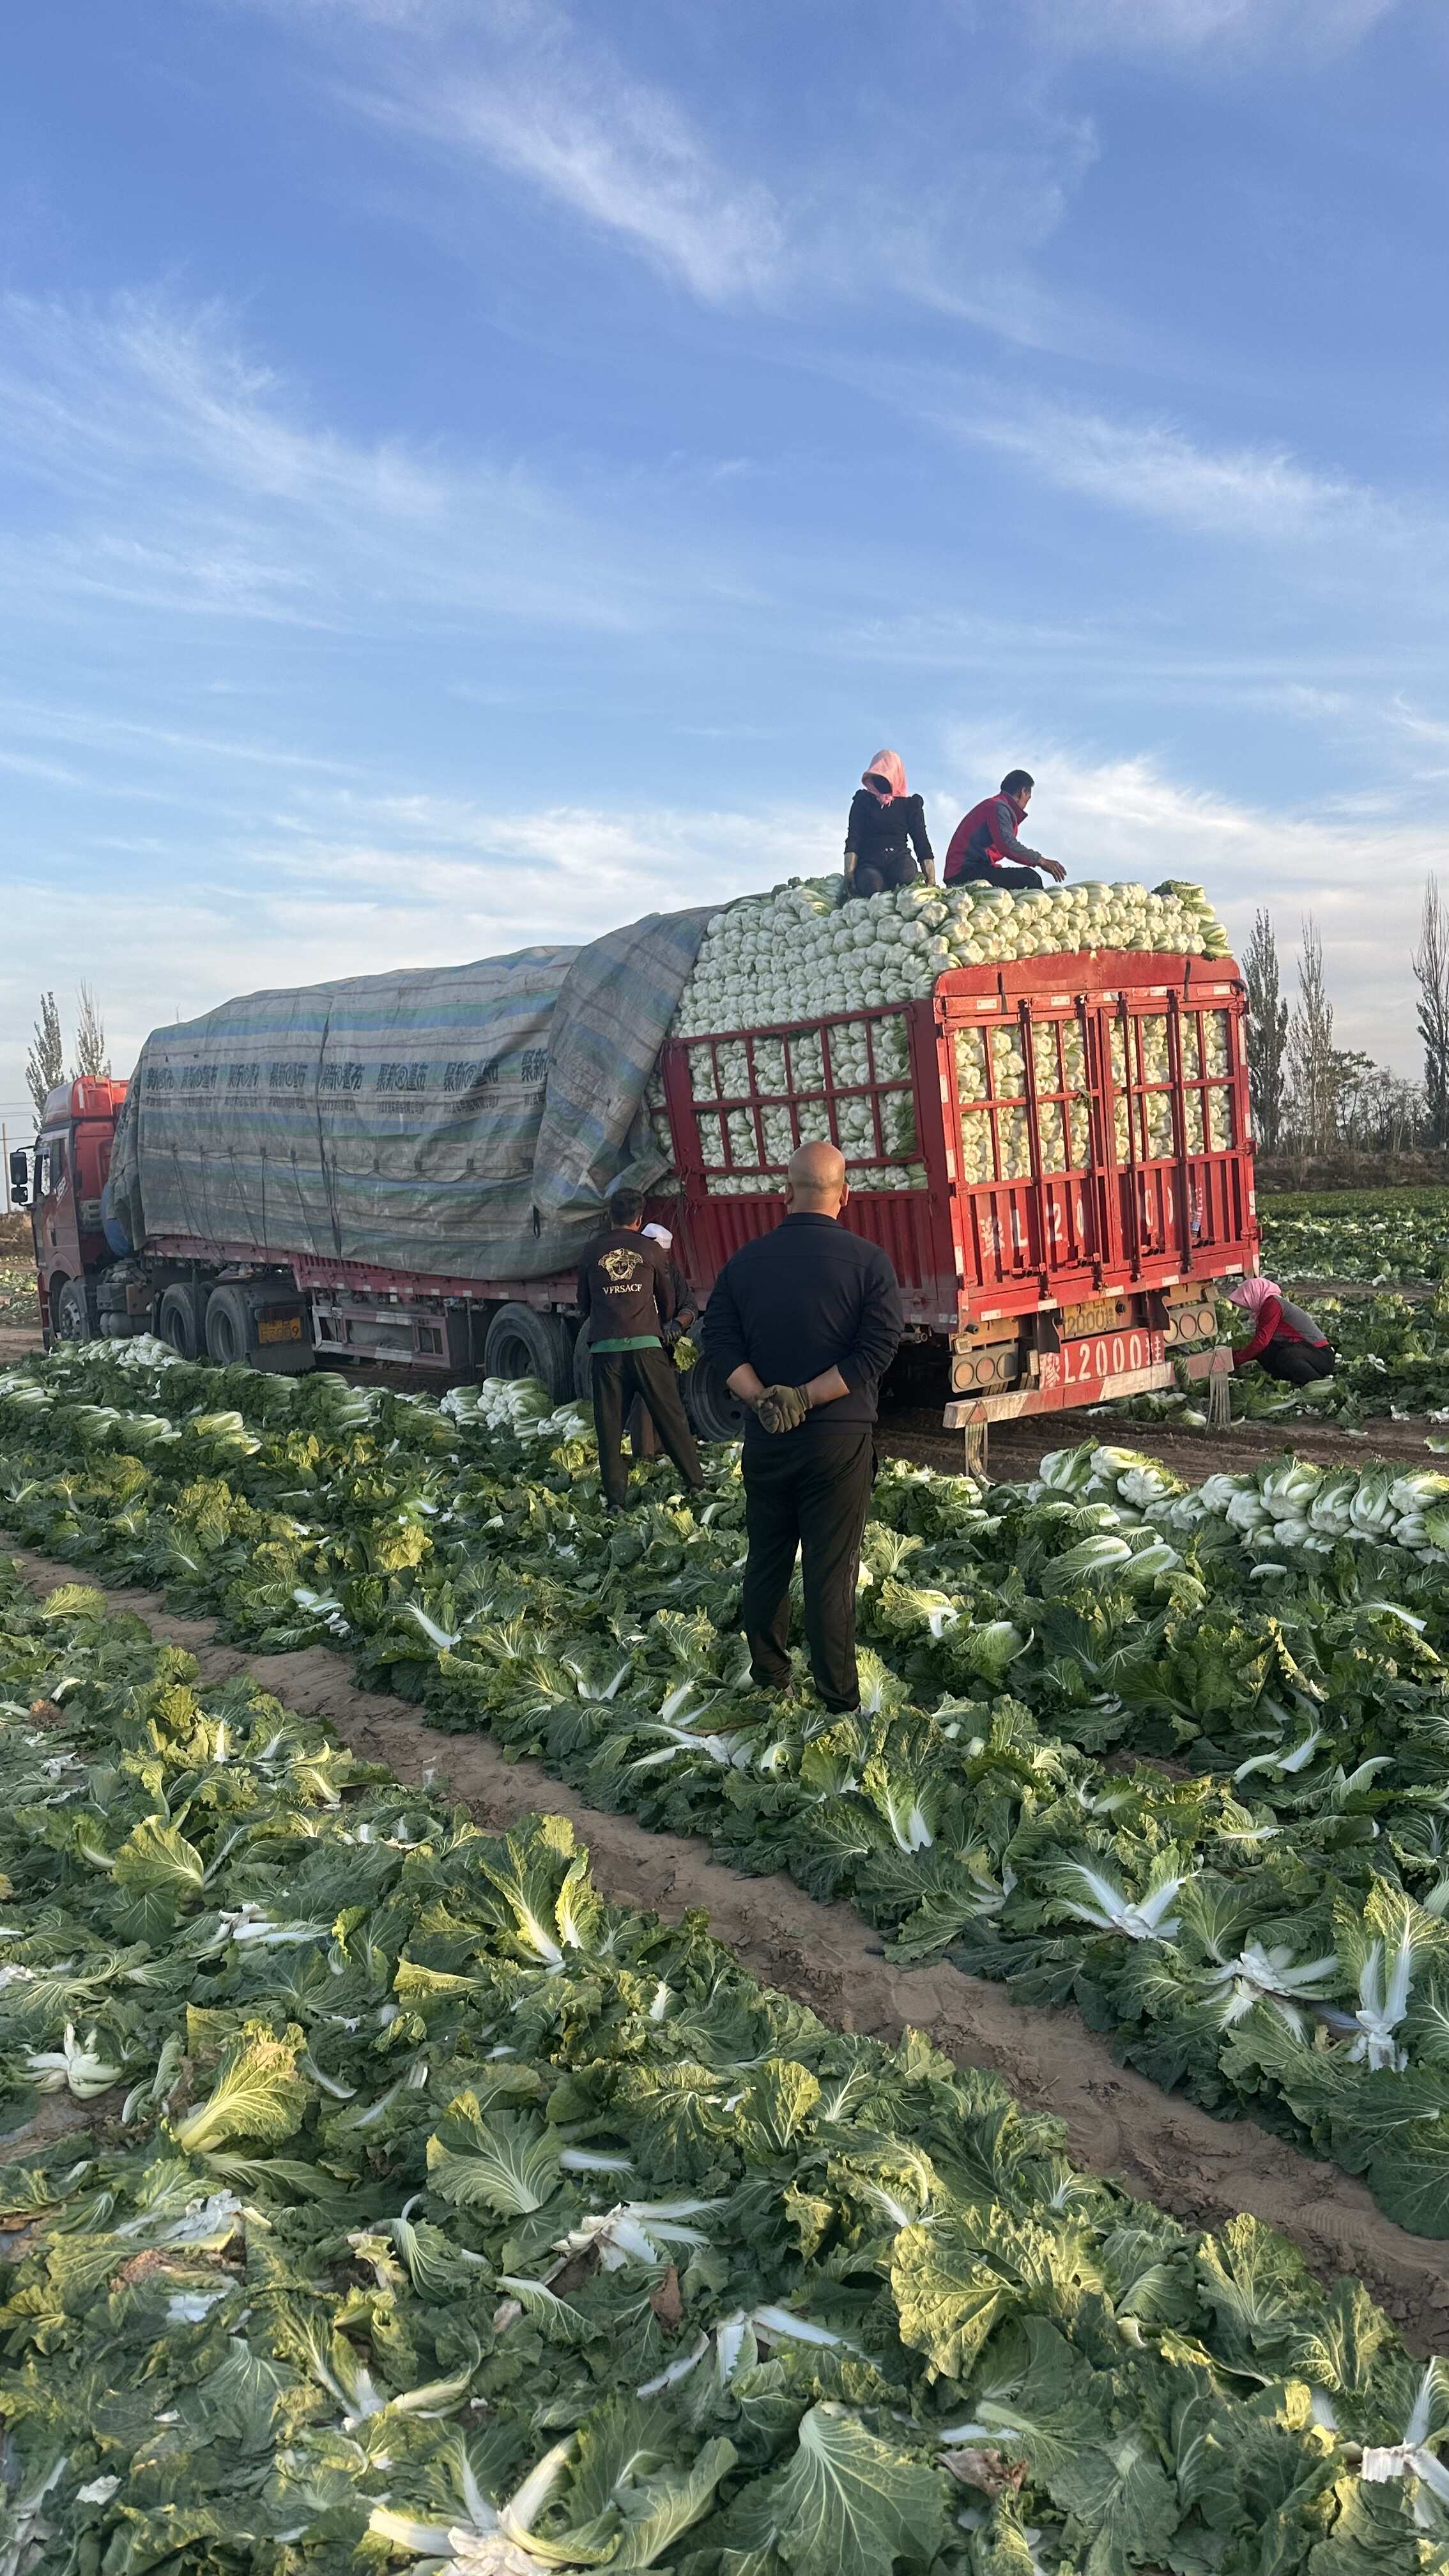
(803, 1324)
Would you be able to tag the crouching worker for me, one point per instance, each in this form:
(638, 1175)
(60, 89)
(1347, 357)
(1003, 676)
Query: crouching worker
(886, 841)
(1286, 1341)
(803, 1323)
(626, 1297)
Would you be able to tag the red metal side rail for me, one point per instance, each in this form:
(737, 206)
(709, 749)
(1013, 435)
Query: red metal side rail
(912, 1226)
(1064, 1227)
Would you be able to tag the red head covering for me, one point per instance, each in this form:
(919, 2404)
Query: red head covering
(889, 766)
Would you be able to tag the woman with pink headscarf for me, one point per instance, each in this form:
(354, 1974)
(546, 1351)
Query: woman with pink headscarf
(1286, 1341)
(886, 827)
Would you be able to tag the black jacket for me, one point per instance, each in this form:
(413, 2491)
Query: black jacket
(875, 831)
(806, 1298)
(625, 1290)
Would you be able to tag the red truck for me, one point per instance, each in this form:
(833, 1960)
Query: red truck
(1077, 1141)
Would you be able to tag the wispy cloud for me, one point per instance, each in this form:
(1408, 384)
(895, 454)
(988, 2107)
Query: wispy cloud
(180, 473)
(1196, 27)
(353, 883)
(531, 92)
(1156, 470)
(1361, 874)
(528, 90)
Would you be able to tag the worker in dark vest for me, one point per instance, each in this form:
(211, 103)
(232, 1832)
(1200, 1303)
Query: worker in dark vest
(886, 842)
(803, 1324)
(626, 1297)
(644, 1440)
(985, 847)
(1286, 1341)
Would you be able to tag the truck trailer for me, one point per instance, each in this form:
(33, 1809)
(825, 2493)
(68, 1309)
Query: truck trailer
(365, 1170)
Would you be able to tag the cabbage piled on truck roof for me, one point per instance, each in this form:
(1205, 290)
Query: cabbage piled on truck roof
(799, 953)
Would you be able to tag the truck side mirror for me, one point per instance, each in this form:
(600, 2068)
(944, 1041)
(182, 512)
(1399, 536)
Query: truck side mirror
(20, 1176)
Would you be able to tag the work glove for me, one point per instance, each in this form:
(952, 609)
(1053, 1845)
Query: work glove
(781, 1408)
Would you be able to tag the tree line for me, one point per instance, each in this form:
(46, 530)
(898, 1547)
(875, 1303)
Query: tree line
(45, 1062)
(1312, 1098)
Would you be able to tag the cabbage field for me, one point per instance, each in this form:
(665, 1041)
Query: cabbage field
(1393, 1362)
(1174, 1756)
(1391, 1236)
(19, 1303)
(414, 2209)
(1393, 1349)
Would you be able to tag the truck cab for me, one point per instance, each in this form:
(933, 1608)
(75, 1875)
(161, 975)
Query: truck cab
(61, 1178)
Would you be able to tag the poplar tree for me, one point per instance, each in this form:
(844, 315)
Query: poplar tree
(1267, 1034)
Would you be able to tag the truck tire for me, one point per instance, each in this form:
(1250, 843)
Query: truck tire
(714, 1413)
(231, 1333)
(227, 1332)
(73, 1313)
(523, 1343)
(179, 1319)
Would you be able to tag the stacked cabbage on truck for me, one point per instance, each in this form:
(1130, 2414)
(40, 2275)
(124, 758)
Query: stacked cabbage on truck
(1041, 1099)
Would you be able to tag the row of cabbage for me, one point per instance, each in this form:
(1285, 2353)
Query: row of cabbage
(419, 2211)
(1379, 1235)
(1258, 1908)
(799, 951)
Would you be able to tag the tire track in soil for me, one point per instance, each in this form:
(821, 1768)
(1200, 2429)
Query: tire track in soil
(1118, 2123)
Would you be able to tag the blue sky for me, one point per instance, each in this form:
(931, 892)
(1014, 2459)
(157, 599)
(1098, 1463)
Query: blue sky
(471, 472)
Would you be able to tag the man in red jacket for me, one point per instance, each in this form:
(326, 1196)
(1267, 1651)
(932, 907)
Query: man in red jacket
(985, 849)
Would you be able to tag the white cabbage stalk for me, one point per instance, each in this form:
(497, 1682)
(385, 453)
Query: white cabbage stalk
(1259, 1976)
(1298, 1760)
(1383, 1995)
(495, 2539)
(634, 2230)
(1411, 2457)
(1111, 1910)
(76, 2065)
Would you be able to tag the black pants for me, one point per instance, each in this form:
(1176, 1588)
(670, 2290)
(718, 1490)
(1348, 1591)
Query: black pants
(806, 1493)
(981, 872)
(1297, 1363)
(618, 1377)
(890, 869)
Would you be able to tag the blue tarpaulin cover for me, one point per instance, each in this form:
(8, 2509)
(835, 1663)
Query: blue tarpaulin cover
(465, 1121)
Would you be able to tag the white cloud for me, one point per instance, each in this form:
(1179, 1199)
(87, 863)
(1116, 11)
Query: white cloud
(351, 882)
(1360, 875)
(1155, 470)
(180, 474)
(530, 93)
(354, 884)
(1196, 26)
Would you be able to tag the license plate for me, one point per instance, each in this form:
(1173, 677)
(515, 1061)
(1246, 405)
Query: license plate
(1106, 1355)
(1099, 1315)
(279, 1328)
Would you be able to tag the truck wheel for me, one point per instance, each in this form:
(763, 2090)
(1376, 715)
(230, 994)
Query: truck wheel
(226, 1327)
(713, 1411)
(523, 1343)
(178, 1319)
(72, 1315)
